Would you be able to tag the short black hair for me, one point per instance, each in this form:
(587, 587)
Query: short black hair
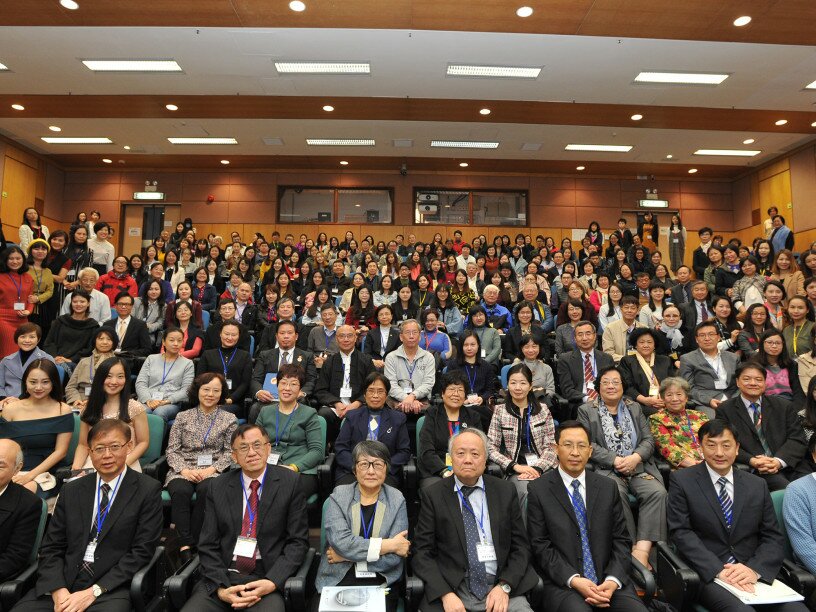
(241, 430)
(570, 425)
(750, 365)
(715, 428)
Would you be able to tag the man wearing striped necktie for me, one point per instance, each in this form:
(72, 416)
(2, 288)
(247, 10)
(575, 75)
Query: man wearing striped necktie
(722, 522)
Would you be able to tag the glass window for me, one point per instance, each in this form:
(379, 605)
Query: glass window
(364, 205)
(332, 205)
(444, 207)
(499, 208)
(299, 205)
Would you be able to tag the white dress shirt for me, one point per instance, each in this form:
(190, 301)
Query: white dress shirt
(478, 502)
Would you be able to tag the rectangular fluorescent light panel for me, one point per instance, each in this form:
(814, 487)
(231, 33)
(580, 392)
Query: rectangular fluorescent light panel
(681, 78)
(133, 65)
(148, 195)
(511, 72)
(811, 85)
(203, 141)
(323, 67)
(69, 140)
(599, 148)
(727, 152)
(340, 142)
(452, 144)
(653, 203)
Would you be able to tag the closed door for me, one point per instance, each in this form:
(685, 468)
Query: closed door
(142, 223)
(20, 189)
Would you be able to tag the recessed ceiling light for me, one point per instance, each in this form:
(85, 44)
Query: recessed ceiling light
(748, 141)
(132, 65)
(781, 122)
(18, 107)
(3, 66)
(127, 147)
(680, 78)
(343, 162)
(69, 4)
(742, 21)
(510, 72)
(484, 111)
(357, 205)
(461, 144)
(323, 67)
(811, 85)
(692, 170)
(727, 152)
(297, 6)
(340, 142)
(54, 128)
(328, 108)
(579, 168)
(669, 156)
(813, 124)
(599, 148)
(636, 117)
(524, 11)
(171, 107)
(74, 140)
(225, 162)
(463, 164)
(107, 161)
(203, 141)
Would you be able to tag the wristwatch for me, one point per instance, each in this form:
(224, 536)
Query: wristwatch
(97, 590)
(505, 587)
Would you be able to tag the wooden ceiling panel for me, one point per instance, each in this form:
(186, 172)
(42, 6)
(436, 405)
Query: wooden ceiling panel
(774, 21)
(401, 109)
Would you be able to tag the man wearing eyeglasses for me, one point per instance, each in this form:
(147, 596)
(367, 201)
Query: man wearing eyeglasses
(105, 528)
(255, 534)
(709, 371)
(572, 511)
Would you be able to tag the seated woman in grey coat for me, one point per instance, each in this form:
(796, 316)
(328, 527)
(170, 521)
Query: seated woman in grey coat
(366, 526)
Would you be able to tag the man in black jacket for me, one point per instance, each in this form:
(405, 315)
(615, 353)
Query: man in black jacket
(20, 512)
(699, 261)
(134, 337)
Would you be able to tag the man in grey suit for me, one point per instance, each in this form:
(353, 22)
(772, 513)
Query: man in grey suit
(723, 523)
(578, 369)
(709, 371)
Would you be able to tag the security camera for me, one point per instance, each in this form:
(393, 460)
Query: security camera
(404, 169)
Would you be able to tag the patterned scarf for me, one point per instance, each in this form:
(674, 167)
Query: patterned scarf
(621, 438)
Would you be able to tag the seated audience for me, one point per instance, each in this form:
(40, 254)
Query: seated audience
(12, 366)
(164, 379)
(235, 365)
(675, 427)
(709, 371)
(69, 338)
(643, 370)
(21, 511)
(411, 372)
(616, 339)
(79, 385)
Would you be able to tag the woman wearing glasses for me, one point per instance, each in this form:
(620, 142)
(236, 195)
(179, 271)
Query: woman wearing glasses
(198, 450)
(294, 429)
(365, 519)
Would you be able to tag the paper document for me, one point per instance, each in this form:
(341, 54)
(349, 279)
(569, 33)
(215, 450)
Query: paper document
(352, 599)
(777, 592)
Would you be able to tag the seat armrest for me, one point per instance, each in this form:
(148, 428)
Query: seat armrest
(797, 578)
(157, 469)
(536, 595)
(61, 474)
(146, 585)
(11, 591)
(494, 469)
(644, 579)
(297, 588)
(414, 590)
(680, 584)
(325, 477)
(179, 586)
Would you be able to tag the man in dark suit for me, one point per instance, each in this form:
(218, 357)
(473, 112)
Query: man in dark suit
(245, 563)
(578, 369)
(722, 522)
(20, 512)
(232, 362)
(105, 528)
(470, 548)
(699, 259)
(270, 360)
(134, 337)
(694, 312)
(285, 312)
(245, 312)
(571, 497)
(773, 441)
(339, 386)
(681, 292)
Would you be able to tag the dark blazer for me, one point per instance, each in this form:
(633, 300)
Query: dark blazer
(282, 532)
(702, 377)
(208, 297)
(434, 437)
(780, 424)
(512, 345)
(267, 361)
(556, 540)
(20, 513)
(571, 373)
(330, 378)
(691, 317)
(249, 317)
(137, 337)
(681, 294)
(634, 378)
(239, 370)
(373, 342)
(392, 431)
(212, 337)
(268, 338)
(697, 525)
(440, 553)
(127, 542)
(699, 262)
(724, 279)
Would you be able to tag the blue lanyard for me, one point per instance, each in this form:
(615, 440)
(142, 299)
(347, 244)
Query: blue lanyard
(367, 530)
(18, 287)
(529, 430)
(227, 364)
(248, 505)
(277, 422)
(209, 429)
(165, 370)
(466, 505)
(100, 518)
(472, 380)
(410, 370)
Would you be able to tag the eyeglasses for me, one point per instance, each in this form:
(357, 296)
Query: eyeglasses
(113, 448)
(375, 391)
(364, 466)
(245, 448)
(570, 446)
(709, 336)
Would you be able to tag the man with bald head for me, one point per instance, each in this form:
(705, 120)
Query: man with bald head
(339, 385)
(19, 513)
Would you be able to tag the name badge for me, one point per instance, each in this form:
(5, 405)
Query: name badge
(719, 384)
(273, 458)
(590, 385)
(472, 398)
(335, 290)
(485, 552)
(530, 458)
(88, 391)
(653, 392)
(19, 306)
(345, 394)
(245, 547)
(408, 389)
(204, 460)
(676, 241)
(90, 552)
(361, 570)
(229, 384)
(484, 354)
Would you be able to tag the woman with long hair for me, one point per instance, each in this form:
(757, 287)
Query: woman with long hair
(361, 313)
(80, 255)
(405, 307)
(43, 288)
(78, 389)
(781, 371)
(69, 339)
(798, 331)
(31, 228)
(385, 293)
(150, 308)
(786, 270)
(481, 376)
(193, 336)
(648, 231)
(651, 313)
(677, 242)
(757, 322)
(725, 319)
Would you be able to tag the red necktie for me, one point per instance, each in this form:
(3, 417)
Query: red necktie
(246, 565)
(589, 377)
